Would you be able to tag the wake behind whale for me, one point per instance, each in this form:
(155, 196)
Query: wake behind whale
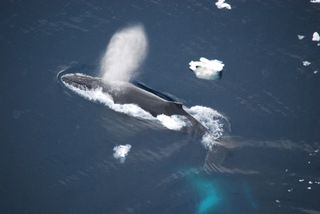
(116, 91)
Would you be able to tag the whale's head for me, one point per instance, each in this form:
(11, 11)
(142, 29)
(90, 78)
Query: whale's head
(81, 81)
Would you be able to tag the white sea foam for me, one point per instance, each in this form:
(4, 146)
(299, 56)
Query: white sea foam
(174, 122)
(206, 69)
(212, 120)
(121, 152)
(126, 51)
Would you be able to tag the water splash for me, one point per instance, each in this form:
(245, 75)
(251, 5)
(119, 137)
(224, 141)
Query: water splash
(126, 51)
(215, 122)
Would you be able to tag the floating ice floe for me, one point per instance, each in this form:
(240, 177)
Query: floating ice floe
(300, 37)
(315, 1)
(221, 5)
(207, 69)
(121, 151)
(306, 63)
(316, 37)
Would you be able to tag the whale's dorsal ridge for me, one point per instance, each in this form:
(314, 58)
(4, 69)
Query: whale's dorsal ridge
(155, 92)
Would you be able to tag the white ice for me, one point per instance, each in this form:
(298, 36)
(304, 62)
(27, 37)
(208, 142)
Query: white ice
(121, 152)
(206, 69)
(221, 5)
(306, 63)
(316, 37)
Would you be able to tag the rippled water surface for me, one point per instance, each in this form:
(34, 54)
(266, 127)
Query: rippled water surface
(56, 153)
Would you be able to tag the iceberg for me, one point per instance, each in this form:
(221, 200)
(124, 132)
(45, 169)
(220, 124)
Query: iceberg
(121, 151)
(221, 5)
(207, 69)
(316, 37)
(306, 63)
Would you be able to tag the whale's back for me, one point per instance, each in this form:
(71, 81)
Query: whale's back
(149, 100)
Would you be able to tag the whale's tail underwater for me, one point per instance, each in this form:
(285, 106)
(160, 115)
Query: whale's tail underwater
(148, 99)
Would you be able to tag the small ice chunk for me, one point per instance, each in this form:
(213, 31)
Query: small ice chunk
(290, 190)
(121, 151)
(315, 1)
(309, 188)
(309, 162)
(300, 37)
(277, 201)
(301, 180)
(316, 37)
(306, 63)
(315, 72)
(207, 69)
(310, 182)
(317, 150)
(221, 5)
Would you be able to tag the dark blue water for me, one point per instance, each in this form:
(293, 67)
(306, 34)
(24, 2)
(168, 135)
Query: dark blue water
(56, 147)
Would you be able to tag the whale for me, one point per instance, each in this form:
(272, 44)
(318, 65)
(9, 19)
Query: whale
(150, 100)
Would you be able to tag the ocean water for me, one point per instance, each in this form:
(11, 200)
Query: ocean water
(56, 153)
